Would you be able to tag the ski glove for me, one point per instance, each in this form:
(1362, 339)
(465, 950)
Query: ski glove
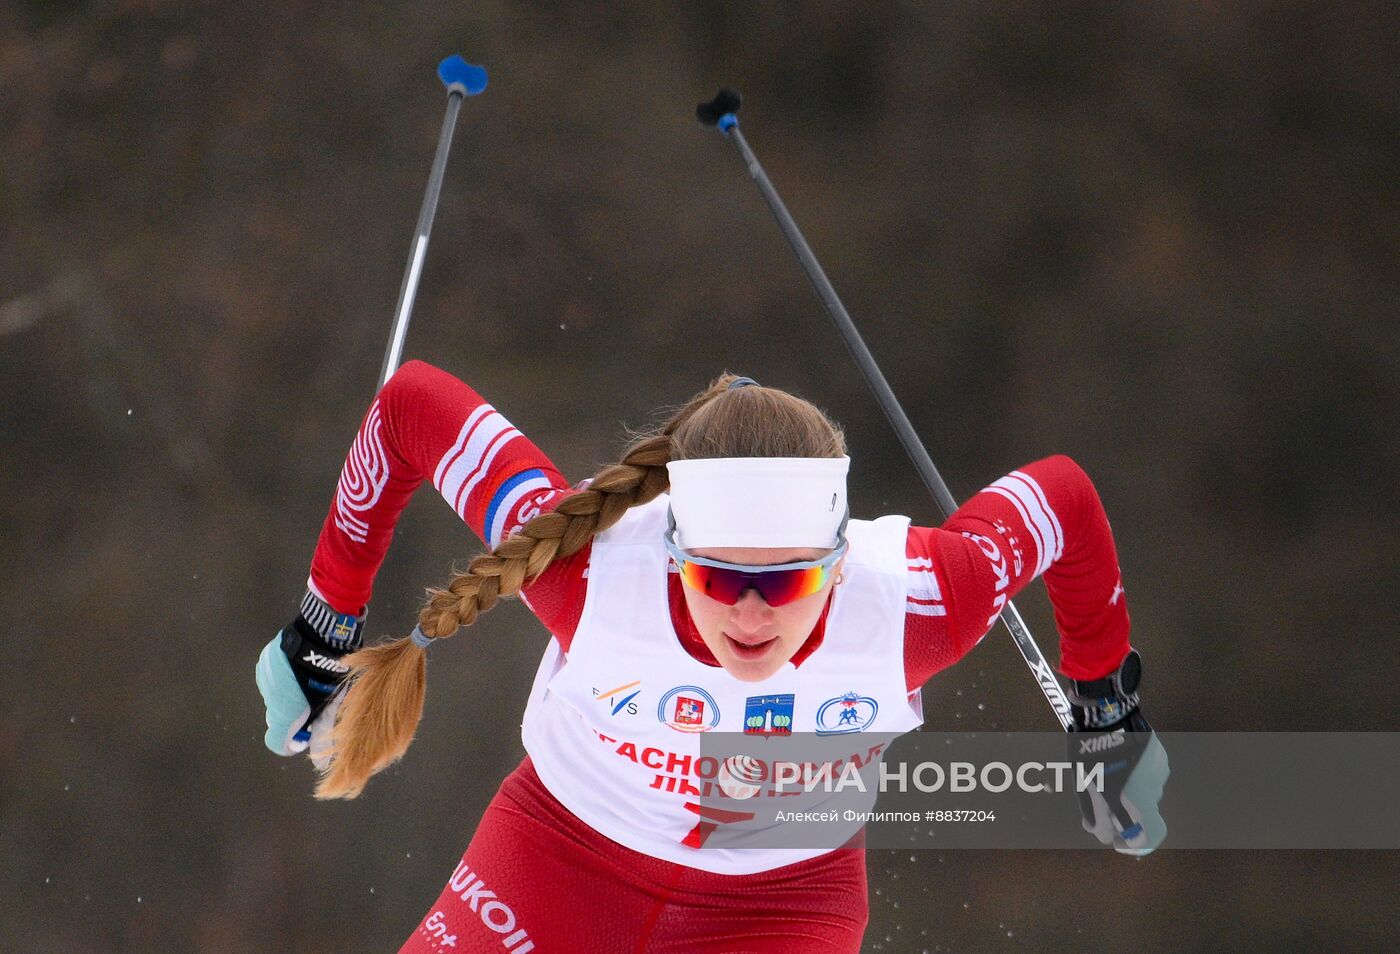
(301, 669)
(1111, 730)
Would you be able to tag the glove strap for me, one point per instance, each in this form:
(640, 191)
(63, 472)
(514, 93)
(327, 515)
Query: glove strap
(1101, 713)
(341, 631)
(1102, 702)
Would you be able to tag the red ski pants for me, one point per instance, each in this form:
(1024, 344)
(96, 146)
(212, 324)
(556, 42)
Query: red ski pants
(537, 879)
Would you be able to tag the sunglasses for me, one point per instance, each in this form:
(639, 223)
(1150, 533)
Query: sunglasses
(778, 584)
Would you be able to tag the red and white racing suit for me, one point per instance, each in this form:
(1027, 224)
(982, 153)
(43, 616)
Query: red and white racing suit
(530, 859)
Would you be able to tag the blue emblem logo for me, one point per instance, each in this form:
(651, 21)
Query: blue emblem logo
(688, 709)
(342, 635)
(768, 715)
(846, 713)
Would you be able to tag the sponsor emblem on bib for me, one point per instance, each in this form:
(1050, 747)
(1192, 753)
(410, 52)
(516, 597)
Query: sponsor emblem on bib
(688, 709)
(846, 713)
(768, 715)
(621, 699)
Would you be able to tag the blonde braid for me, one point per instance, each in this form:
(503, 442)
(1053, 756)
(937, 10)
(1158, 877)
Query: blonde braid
(382, 703)
(638, 479)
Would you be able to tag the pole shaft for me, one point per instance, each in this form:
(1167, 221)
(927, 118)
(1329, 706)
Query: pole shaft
(849, 333)
(418, 250)
(1010, 616)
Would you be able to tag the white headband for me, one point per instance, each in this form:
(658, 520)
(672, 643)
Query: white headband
(758, 501)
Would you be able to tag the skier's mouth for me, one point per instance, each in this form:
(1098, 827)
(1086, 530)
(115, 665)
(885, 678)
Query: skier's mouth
(750, 651)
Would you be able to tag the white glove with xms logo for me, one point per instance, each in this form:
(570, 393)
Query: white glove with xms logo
(301, 669)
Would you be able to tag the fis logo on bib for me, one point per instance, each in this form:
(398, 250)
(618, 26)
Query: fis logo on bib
(846, 713)
(621, 699)
(688, 709)
(768, 715)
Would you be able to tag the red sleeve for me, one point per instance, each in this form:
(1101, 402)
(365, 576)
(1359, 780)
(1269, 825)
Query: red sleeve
(1045, 518)
(425, 424)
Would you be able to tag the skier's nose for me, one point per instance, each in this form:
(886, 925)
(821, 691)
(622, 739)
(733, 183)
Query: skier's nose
(752, 611)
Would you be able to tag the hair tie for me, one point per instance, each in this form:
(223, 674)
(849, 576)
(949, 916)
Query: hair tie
(420, 639)
(742, 382)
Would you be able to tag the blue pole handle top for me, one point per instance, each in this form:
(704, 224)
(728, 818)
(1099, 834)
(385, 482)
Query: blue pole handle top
(460, 76)
(720, 111)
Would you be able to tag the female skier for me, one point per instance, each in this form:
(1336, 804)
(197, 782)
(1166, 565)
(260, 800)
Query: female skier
(710, 575)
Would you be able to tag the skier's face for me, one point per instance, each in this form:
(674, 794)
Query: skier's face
(751, 639)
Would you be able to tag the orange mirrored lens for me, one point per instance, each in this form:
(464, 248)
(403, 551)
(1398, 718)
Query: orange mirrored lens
(777, 587)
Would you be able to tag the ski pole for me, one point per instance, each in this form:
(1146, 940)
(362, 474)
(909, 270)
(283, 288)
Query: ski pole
(462, 79)
(720, 113)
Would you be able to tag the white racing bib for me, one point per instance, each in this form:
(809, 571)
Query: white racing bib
(614, 726)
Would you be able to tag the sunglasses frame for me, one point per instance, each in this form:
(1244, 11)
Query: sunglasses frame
(679, 556)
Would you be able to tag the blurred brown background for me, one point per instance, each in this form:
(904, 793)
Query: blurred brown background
(1161, 238)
